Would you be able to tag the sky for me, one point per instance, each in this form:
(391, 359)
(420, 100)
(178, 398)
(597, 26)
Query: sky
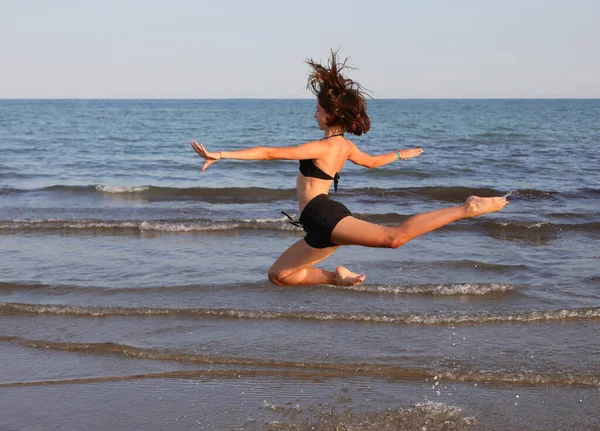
(197, 49)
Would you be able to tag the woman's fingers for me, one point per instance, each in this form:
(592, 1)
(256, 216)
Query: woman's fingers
(199, 148)
(201, 151)
(207, 163)
(412, 152)
(409, 153)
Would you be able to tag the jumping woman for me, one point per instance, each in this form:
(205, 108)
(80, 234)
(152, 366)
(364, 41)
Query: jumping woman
(340, 109)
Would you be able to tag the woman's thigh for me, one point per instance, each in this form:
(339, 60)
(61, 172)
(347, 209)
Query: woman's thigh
(353, 231)
(299, 256)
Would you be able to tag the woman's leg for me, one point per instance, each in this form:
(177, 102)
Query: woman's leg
(295, 267)
(352, 231)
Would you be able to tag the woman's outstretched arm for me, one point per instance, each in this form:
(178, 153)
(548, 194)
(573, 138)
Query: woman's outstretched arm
(363, 159)
(310, 150)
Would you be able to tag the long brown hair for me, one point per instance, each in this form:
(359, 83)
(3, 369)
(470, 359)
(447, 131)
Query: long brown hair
(341, 97)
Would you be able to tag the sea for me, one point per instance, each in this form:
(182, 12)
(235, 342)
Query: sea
(134, 291)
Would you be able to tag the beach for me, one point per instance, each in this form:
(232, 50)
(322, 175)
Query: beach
(134, 291)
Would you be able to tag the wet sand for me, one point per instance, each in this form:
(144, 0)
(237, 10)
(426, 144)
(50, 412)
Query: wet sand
(111, 393)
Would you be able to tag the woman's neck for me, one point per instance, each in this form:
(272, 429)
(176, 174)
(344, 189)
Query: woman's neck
(334, 131)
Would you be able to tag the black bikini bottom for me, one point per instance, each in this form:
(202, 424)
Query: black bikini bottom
(319, 218)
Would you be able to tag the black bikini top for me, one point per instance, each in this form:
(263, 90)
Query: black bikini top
(309, 169)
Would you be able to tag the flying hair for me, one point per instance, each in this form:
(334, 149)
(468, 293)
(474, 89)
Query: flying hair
(341, 97)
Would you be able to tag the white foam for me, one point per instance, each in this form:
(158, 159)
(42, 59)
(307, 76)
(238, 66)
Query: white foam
(540, 224)
(190, 227)
(437, 408)
(121, 189)
(441, 289)
(156, 226)
(433, 409)
(528, 226)
(98, 225)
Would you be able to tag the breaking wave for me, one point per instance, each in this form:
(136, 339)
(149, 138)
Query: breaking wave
(534, 316)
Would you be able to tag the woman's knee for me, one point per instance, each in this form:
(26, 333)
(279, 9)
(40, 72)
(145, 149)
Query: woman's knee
(397, 239)
(276, 276)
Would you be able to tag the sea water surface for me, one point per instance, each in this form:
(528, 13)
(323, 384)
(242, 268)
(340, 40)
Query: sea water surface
(133, 287)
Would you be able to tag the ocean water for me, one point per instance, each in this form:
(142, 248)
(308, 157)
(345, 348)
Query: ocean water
(133, 287)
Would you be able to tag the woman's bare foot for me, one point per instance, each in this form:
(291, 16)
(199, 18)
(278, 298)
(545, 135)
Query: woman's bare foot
(477, 206)
(347, 278)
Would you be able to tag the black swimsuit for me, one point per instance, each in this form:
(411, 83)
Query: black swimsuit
(309, 169)
(321, 214)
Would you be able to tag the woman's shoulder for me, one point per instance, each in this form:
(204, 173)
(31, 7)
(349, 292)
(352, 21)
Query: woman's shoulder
(351, 145)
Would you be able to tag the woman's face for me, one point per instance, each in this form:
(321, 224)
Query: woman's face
(321, 117)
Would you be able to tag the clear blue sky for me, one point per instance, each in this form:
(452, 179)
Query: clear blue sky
(256, 48)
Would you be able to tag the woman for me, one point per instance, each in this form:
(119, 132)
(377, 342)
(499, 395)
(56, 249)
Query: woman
(340, 109)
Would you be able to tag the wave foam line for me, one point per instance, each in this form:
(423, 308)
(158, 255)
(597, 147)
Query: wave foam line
(592, 313)
(436, 289)
(534, 229)
(509, 228)
(476, 289)
(308, 369)
(168, 226)
(121, 189)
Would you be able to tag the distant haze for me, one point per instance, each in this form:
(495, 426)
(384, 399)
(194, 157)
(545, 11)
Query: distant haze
(256, 49)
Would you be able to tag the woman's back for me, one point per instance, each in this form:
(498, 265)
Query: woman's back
(309, 185)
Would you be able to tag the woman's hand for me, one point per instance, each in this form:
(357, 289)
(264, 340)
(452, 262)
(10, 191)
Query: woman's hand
(209, 157)
(409, 153)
